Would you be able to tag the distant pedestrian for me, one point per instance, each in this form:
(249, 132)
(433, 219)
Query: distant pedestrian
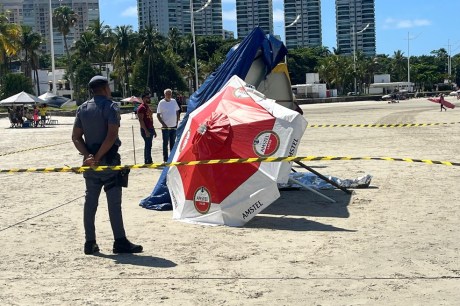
(168, 115)
(35, 114)
(43, 109)
(145, 115)
(441, 101)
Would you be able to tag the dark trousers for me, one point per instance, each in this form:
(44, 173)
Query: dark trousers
(94, 183)
(148, 146)
(169, 137)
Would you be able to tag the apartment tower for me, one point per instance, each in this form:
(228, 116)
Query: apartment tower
(355, 22)
(36, 13)
(254, 13)
(164, 15)
(302, 23)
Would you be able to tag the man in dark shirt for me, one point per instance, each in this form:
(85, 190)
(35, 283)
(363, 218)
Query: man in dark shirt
(144, 113)
(95, 135)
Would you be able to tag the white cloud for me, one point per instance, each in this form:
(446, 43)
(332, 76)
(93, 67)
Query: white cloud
(130, 12)
(278, 15)
(392, 23)
(229, 15)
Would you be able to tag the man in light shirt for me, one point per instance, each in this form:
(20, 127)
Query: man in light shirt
(168, 115)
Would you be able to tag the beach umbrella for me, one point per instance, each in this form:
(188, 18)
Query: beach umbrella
(237, 122)
(69, 104)
(47, 95)
(20, 98)
(132, 99)
(56, 101)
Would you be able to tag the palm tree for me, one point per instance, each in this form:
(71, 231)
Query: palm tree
(64, 18)
(123, 43)
(399, 65)
(30, 44)
(9, 40)
(103, 38)
(150, 42)
(86, 47)
(173, 39)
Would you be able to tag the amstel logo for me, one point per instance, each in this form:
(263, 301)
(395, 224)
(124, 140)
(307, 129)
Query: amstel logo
(202, 200)
(240, 93)
(266, 143)
(184, 141)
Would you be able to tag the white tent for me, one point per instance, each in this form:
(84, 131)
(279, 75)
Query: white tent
(21, 98)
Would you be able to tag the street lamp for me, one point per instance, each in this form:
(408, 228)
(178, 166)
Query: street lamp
(193, 35)
(354, 48)
(408, 58)
(53, 68)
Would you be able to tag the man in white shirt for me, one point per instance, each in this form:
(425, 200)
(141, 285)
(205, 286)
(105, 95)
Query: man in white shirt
(168, 115)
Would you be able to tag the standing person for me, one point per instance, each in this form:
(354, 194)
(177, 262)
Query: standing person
(441, 101)
(145, 115)
(168, 115)
(43, 109)
(35, 116)
(95, 135)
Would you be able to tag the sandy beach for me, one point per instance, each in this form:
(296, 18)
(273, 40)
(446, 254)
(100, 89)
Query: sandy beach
(394, 243)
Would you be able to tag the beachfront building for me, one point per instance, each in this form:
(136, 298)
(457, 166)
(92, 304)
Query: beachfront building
(254, 13)
(36, 13)
(164, 15)
(353, 32)
(302, 22)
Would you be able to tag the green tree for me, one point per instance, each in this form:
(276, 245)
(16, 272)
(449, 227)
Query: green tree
(151, 43)
(304, 60)
(64, 19)
(87, 47)
(30, 44)
(399, 67)
(10, 36)
(13, 83)
(83, 73)
(170, 76)
(336, 70)
(103, 37)
(124, 41)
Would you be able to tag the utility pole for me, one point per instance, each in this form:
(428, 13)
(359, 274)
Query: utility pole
(408, 57)
(354, 48)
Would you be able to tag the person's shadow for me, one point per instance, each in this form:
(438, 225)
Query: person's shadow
(138, 260)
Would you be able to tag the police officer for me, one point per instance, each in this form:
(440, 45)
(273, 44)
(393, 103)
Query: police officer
(95, 135)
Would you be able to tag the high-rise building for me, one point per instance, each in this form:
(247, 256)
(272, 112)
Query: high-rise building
(302, 22)
(164, 15)
(355, 22)
(254, 13)
(36, 13)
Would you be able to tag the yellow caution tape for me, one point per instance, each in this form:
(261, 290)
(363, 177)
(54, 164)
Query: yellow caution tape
(36, 148)
(226, 161)
(396, 125)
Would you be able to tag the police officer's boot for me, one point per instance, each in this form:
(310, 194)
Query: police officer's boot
(123, 245)
(91, 247)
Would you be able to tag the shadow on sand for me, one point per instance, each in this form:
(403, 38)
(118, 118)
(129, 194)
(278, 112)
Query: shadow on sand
(284, 213)
(139, 260)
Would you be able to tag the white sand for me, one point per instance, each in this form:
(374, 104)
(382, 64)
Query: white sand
(394, 243)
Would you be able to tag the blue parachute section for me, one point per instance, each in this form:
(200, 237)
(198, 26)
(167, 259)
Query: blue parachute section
(238, 62)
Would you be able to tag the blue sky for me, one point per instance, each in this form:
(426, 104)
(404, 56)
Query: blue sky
(431, 24)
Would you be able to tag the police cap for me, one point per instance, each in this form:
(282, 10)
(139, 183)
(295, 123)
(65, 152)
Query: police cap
(97, 81)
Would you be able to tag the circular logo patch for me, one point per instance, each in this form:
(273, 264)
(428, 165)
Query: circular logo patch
(240, 93)
(266, 143)
(202, 200)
